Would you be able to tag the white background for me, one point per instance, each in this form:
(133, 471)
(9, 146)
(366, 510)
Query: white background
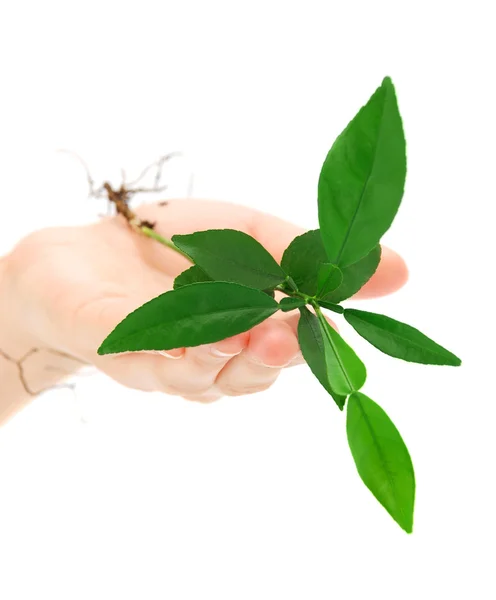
(255, 497)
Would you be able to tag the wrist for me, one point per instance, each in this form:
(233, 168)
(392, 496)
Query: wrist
(27, 366)
(15, 338)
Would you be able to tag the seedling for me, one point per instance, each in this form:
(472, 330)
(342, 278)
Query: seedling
(230, 289)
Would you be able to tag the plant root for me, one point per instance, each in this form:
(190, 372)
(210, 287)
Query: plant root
(120, 197)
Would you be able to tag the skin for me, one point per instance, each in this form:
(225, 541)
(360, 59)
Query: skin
(66, 288)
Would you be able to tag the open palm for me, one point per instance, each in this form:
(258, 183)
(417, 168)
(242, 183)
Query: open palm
(79, 282)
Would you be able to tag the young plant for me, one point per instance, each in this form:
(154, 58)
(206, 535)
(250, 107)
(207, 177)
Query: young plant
(230, 288)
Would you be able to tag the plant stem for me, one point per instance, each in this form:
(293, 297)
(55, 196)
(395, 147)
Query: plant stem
(159, 238)
(294, 293)
(288, 286)
(290, 282)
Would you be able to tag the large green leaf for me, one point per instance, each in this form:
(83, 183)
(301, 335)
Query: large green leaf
(381, 458)
(362, 180)
(356, 276)
(195, 314)
(231, 255)
(398, 339)
(313, 347)
(302, 260)
(192, 275)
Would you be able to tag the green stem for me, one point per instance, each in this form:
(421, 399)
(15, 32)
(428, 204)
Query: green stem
(290, 282)
(294, 293)
(156, 236)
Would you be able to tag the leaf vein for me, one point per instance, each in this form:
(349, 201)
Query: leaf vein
(365, 187)
(381, 455)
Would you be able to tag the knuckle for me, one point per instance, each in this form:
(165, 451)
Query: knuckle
(103, 308)
(96, 309)
(203, 359)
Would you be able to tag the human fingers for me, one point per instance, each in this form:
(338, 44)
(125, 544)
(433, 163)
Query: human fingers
(193, 375)
(204, 374)
(271, 347)
(186, 372)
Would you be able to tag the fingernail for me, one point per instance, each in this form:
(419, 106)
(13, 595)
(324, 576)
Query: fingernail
(178, 353)
(297, 359)
(258, 361)
(169, 355)
(216, 352)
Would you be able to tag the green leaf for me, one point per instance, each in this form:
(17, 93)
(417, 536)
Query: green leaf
(346, 371)
(398, 339)
(192, 275)
(195, 314)
(331, 306)
(231, 255)
(329, 278)
(362, 180)
(356, 276)
(302, 259)
(313, 347)
(287, 304)
(382, 458)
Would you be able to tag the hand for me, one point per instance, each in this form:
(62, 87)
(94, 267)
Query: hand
(72, 285)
